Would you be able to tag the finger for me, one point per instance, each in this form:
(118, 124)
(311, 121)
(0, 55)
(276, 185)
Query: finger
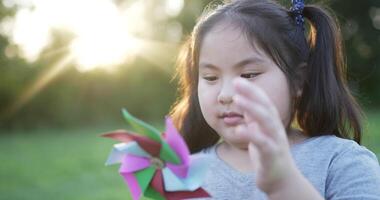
(269, 124)
(264, 144)
(255, 93)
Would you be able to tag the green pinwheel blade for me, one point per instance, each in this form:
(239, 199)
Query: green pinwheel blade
(153, 194)
(167, 154)
(142, 127)
(144, 177)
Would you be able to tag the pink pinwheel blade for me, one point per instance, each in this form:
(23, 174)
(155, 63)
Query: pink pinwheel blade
(133, 163)
(139, 181)
(133, 185)
(176, 142)
(179, 170)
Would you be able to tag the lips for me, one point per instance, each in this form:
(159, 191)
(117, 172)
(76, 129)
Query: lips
(231, 118)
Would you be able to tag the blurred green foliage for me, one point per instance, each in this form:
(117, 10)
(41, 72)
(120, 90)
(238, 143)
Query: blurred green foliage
(74, 98)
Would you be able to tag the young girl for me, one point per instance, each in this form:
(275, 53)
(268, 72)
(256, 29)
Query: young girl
(247, 73)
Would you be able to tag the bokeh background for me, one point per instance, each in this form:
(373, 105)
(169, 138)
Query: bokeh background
(67, 67)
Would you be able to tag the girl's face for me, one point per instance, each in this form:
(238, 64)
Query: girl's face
(226, 55)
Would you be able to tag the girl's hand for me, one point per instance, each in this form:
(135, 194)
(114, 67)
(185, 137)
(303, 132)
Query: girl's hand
(268, 144)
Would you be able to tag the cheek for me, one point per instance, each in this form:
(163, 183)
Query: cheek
(278, 92)
(206, 99)
(282, 102)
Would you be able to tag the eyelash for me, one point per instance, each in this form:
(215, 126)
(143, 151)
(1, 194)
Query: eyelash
(210, 78)
(253, 75)
(214, 78)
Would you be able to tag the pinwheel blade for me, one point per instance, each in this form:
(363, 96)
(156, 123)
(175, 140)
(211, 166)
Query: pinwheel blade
(142, 127)
(133, 185)
(153, 194)
(133, 163)
(158, 184)
(178, 144)
(149, 145)
(139, 181)
(195, 176)
(120, 150)
(167, 154)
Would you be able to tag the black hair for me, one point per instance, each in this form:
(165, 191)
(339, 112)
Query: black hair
(314, 66)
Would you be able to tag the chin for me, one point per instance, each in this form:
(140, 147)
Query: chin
(240, 144)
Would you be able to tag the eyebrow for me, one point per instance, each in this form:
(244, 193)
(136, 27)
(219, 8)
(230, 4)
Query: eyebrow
(252, 60)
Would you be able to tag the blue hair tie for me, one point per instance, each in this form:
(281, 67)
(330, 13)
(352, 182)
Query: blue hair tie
(297, 9)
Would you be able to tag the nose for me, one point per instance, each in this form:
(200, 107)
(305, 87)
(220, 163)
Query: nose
(226, 92)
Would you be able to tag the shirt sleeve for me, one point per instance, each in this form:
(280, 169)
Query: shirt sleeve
(354, 174)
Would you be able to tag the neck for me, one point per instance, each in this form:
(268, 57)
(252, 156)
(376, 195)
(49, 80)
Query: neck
(236, 157)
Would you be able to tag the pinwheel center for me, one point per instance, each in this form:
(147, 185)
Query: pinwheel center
(157, 163)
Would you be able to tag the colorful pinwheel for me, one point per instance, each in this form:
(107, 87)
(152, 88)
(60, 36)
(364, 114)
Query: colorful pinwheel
(156, 165)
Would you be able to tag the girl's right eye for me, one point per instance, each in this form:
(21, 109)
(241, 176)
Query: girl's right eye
(210, 78)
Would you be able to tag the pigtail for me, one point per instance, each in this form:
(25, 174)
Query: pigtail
(326, 105)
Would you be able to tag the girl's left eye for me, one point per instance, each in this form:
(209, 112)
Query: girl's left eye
(249, 75)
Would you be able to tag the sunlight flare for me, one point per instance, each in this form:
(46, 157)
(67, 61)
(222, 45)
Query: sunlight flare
(102, 32)
(39, 84)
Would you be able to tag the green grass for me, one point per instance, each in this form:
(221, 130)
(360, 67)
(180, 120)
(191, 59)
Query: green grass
(53, 164)
(69, 164)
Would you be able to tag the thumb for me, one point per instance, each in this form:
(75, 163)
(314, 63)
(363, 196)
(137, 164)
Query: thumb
(254, 155)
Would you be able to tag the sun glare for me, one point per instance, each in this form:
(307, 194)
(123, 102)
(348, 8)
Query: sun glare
(107, 51)
(104, 35)
(104, 40)
(103, 32)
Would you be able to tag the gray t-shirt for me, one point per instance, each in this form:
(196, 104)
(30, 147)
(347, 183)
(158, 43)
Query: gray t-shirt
(337, 168)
